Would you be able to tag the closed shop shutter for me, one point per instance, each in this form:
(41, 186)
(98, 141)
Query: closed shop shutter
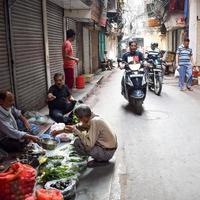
(86, 50)
(71, 24)
(79, 42)
(28, 54)
(5, 80)
(55, 37)
(95, 50)
(198, 43)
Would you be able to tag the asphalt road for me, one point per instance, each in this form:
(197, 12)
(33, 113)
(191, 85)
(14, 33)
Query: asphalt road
(159, 152)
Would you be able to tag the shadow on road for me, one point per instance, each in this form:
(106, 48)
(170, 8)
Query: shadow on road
(98, 172)
(99, 176)
(129, 108)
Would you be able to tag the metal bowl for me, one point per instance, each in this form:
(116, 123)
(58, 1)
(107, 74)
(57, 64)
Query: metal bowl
(49, 144)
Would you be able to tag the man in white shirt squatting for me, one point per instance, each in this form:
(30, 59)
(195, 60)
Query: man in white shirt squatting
(94, 136)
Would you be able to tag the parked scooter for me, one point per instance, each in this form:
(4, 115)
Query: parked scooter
(134, 84)
(107, 64)
(155, 73)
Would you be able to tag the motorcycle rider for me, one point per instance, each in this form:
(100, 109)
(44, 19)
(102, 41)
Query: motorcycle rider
(132, 55)
(133, 52)
(153, 51)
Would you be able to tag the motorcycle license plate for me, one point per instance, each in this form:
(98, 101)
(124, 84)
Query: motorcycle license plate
(157, 70)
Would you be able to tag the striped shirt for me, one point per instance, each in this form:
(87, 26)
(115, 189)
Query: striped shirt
(152, 52)
(184, 55)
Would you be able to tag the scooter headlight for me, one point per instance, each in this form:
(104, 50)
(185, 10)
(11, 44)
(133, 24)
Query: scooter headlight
(141, 69)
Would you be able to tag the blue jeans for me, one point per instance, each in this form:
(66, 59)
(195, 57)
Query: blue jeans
(185, 71)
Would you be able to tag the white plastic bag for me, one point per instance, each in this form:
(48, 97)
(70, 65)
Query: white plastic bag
(176, 74)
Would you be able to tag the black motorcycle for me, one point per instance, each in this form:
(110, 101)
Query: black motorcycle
(134, 85)
(155, 73)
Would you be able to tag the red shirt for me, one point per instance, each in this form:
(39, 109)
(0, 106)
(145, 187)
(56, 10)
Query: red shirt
(67, 48)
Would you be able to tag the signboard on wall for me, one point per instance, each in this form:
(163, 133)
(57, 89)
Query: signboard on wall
(103, 18)
(175, 21)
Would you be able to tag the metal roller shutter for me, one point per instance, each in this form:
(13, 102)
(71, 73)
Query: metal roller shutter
(79, 42)
(55, 37)
(95, 50)
(86, 51)
(28, 54)
(5, 80)
(71, 24)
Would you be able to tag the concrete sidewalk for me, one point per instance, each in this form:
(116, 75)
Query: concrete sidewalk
(83, 94)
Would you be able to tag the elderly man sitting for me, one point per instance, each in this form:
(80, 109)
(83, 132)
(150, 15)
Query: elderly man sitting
(60, 100)
(11, 138)
(94, 136)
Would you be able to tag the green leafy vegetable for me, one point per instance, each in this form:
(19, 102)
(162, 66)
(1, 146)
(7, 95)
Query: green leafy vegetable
(74, 119)
(54, 173)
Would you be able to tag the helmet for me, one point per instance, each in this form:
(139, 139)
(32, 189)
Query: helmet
(153, 44)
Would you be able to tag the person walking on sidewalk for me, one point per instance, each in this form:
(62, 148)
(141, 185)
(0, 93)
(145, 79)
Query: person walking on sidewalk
(95, 138)
(69, 59)
(184, 62)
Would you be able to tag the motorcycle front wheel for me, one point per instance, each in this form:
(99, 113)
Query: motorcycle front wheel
(158, 86)
(138, 107)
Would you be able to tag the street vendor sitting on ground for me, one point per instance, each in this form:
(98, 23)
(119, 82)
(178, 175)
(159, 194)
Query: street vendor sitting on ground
(12, 139)
(60, 100)
(94, 137)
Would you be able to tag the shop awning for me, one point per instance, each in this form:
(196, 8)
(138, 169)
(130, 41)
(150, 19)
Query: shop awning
(72, 4)
(175, 21)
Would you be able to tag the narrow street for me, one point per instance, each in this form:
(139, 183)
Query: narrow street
(158, 154)
(57, 54)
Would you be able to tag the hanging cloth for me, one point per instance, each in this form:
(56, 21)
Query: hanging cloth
(172, 5)
(186, 9)
(180, 4)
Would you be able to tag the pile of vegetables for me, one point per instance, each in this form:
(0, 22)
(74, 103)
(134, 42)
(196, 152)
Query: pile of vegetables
(67, 164)
(61, 171)
(52, 168)
(57, 172)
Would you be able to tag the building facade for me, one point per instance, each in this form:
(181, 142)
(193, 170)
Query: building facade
(194, 29)
(32, 34)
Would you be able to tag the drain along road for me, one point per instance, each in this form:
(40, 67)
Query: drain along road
(159, 152)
